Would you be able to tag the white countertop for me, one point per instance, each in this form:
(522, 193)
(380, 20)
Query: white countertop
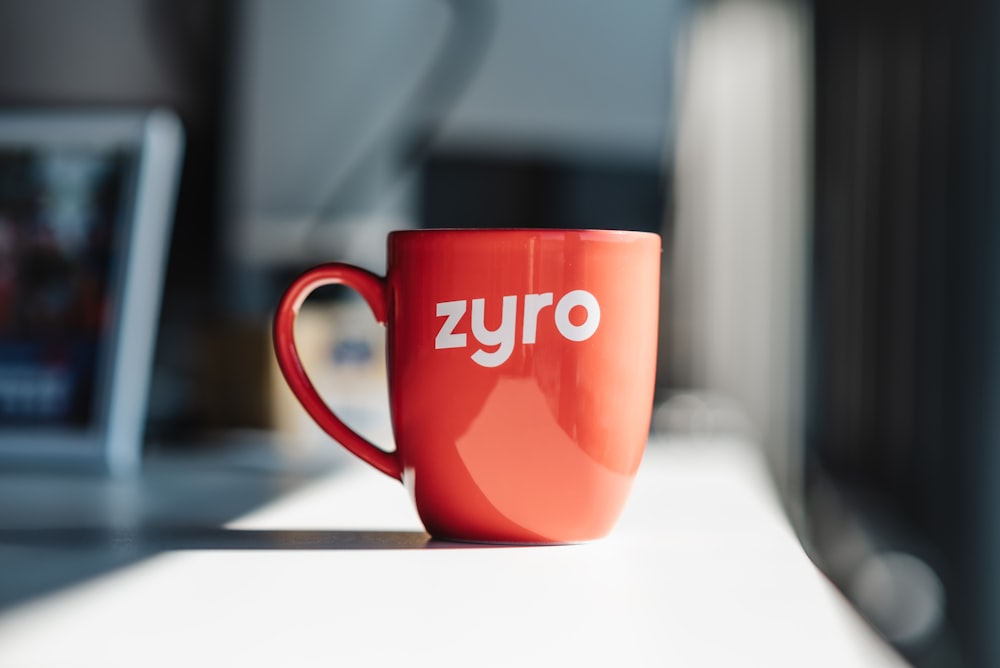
(702, 570)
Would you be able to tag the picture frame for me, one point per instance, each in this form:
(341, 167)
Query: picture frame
(86, 208)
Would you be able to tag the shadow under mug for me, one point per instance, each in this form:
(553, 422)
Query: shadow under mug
(521, 369)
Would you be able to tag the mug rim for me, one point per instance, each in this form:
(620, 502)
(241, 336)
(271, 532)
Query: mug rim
(609, 234)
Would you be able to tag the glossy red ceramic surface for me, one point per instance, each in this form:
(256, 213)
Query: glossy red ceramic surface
(521, 372)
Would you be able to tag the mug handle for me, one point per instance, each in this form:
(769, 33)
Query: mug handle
(372, 288)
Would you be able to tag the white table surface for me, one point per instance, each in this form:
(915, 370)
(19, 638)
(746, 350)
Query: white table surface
(702, 570)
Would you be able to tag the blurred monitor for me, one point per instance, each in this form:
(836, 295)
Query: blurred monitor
(86, 202)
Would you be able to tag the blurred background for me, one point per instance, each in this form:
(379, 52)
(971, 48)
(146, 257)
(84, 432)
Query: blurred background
(822, 173)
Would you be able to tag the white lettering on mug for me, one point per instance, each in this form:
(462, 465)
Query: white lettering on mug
(447, 338)
(503, 337)
(586, 329)
(533, 305)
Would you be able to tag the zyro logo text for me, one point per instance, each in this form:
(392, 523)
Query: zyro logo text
(503, 336)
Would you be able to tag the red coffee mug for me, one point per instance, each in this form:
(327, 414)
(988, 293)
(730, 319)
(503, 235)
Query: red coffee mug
(521, 369)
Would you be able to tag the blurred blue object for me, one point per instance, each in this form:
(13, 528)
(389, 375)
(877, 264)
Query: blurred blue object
(86, 207)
